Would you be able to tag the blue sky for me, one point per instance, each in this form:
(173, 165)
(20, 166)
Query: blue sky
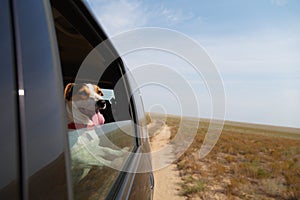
(255, 45)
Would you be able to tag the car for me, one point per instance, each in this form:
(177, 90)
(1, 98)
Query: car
(46, 45)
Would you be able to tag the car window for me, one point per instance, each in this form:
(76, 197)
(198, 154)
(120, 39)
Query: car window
(101, 131)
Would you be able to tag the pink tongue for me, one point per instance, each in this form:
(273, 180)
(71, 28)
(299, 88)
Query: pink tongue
(98, 119)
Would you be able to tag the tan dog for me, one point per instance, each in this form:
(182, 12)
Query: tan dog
(83, 105)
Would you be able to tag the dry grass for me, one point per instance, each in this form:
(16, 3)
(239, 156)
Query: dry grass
(248, 162)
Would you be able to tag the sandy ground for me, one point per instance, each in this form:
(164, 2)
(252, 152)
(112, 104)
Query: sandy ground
(167, 179)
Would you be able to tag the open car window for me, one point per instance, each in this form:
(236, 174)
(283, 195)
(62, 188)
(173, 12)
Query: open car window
(100, 140)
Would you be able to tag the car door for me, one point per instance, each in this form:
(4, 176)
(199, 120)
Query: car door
(39, 71)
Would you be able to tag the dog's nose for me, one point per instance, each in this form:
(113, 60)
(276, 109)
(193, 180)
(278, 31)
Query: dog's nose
(101, 103)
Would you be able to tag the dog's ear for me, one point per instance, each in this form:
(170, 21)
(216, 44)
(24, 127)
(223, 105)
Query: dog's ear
(68, 91)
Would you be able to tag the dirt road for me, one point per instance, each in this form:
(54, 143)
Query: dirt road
(167, 179)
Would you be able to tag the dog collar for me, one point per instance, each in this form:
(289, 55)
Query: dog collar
(75, 126)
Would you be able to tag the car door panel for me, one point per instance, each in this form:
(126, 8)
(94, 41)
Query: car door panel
(9, 156)
(36, 149)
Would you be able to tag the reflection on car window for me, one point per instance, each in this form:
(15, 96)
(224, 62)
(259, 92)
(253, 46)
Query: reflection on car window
(93, 154)
(100, 128)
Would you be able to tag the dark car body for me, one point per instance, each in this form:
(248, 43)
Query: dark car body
(37, 61)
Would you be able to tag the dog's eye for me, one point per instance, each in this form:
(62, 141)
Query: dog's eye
(83, 93)
(99, 92)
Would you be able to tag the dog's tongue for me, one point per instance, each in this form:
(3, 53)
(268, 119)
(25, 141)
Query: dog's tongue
(98, 119)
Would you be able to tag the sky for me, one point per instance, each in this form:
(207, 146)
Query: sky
(255, 46)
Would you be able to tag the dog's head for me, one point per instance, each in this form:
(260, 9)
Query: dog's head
(87, 97)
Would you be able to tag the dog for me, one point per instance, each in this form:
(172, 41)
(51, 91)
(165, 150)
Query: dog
(83, 105)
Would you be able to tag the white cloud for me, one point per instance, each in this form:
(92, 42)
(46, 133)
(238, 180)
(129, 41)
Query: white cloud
(279, 2)
(172, 16)
(119, 16)
(261, 73)
(258, 52)
(122, 15)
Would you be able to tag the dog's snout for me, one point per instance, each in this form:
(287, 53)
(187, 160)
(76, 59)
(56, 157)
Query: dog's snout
(101, 104)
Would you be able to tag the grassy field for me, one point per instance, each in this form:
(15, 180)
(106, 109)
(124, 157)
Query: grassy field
(248, 162)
